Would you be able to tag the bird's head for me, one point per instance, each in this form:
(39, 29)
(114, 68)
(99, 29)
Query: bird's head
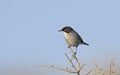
(66, 29)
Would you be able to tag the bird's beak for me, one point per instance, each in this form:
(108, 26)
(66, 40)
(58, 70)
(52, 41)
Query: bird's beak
(59, 30)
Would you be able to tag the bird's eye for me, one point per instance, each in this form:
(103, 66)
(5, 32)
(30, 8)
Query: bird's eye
(67, 30)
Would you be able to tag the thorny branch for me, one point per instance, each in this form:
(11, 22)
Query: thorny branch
(76, 66)
(71, 62)
(59, 68)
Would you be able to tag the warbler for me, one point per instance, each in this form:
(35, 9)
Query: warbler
(72, 37)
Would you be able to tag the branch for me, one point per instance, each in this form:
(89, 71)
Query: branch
(89, 72)
(70, 62)
(76, 66)
(76, 59)
(58, 68)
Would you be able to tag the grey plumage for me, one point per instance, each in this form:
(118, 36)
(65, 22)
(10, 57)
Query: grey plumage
(72, 37)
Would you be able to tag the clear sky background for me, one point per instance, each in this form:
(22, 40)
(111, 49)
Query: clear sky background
(29, 34)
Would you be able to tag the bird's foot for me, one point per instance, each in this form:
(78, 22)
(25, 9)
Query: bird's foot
(74, 54)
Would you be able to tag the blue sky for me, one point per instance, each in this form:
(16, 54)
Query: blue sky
(30, 37)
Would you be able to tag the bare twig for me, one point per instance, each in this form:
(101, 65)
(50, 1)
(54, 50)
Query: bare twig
(98, 70)
(82, 67)
(76, 66)
(89, 72)
(96, 66)
(112, 68)
(71, 62)
(74, 56)
(58, 68)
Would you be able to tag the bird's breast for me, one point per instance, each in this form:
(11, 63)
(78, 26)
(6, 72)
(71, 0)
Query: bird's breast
(66, 35)
(71, 39)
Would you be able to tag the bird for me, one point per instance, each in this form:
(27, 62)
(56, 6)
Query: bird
(72, 38)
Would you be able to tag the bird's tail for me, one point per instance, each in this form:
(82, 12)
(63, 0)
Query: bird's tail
(85, 43)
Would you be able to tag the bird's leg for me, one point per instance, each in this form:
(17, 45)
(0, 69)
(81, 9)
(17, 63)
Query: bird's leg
(73, 53)
(76, 51)
(71, 50)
